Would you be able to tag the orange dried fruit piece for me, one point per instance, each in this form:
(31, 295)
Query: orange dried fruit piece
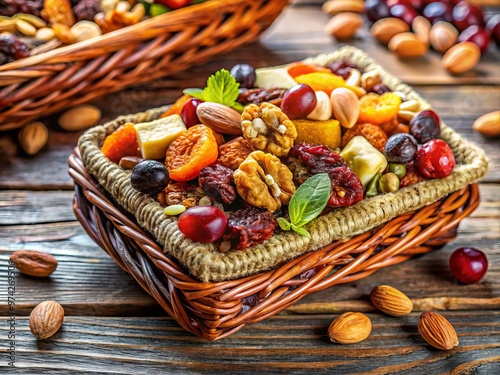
(318, 132)
(373, 134)
(377, 109)
(191, 152)
(122, 142)
(321, 81)
(299, 68)
(176, 108)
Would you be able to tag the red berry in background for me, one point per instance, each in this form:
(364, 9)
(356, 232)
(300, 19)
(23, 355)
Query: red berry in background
(173, 4)
(188, 112)
(404, 12)
(203, 223)
(468, 264)
(435, 159)
(475, 34)
(493, 28)
(376, 10)
(465, 14)
(298, 101)
(438, 11)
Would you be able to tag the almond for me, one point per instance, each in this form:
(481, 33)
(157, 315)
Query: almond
(46, 319)
(345, 106)
(344, 25)
(339, 6)
(461, 58)
(384, 29)
(488, 124)
(34, 263)
(442, 36)
(391, 301)
(437, 331)
(407, 45)
(421, 27)
(350, 328)
(33, 137)
(219, 117)
(80, 117)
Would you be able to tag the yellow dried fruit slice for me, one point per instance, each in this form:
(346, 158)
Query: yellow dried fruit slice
(377, 109)
(318, 132)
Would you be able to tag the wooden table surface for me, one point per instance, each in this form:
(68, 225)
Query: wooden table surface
(113, 326)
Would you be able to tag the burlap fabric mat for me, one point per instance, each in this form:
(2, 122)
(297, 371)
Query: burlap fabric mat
(207, 263)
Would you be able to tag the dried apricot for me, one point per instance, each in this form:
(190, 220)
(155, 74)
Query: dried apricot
(122, 142)
(373, 134)
(300, 68)
(377, 109)
(191, 152)
(318, 132)
(175, 109)
(321, 81)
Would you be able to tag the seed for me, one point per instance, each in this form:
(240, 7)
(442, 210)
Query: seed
(173, 210)
(25, 28)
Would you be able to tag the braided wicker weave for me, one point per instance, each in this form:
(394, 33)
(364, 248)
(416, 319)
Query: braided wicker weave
(49, 82)
(348, 243)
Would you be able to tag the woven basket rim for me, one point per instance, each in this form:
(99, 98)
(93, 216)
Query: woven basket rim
(206, 263)
(174, 17)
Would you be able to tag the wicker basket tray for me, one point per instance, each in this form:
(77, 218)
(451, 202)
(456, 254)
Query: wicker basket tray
(348, 243)
(43, 84)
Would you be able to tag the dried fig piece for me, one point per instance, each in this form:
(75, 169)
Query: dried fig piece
(232, 153)
(218, 182)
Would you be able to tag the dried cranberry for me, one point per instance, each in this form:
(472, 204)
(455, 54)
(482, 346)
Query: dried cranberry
(342, 68)
(218, 182)
(11, 7)
(347, 189)
(250, 226)
(86, 9)
(380, 89)
(12, 46)
(318, 158)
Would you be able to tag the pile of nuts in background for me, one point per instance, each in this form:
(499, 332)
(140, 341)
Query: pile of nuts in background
(457, 29)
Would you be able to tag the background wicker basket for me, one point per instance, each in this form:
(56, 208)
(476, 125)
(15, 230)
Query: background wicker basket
(217, 309)
(43, 84)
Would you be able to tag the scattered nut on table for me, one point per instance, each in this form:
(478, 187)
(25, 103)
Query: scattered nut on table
(46, 319)
(80, 117)
(33, 137)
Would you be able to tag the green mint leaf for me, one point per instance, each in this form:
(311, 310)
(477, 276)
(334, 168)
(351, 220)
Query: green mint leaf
(238, 107)
(310, 199)
(301, 231)
(195, 93)
(284, 223)
(221, 88)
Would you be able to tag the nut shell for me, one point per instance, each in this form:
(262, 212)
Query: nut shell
(390, 300)
(437, 331)
(46, 319)
(34, 263)
(350, 328)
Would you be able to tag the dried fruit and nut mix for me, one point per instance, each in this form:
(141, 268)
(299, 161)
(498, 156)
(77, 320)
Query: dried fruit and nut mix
(266, 150)
(36, 26)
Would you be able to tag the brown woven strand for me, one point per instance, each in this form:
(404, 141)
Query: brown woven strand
(47, 83)
(216, 310)
(206, 263)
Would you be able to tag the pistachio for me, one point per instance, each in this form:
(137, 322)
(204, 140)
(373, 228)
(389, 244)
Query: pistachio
(33, 137)
(388, 183)
(384, 29)
(407, 45)
(323, 109)
(442, 36)
(398, 169)
(344, 25)
(80, 117)
(345, 106)
(371, 189)
(461, 58)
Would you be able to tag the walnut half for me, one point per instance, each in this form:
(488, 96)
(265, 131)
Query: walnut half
(268, 129)
(263, 181)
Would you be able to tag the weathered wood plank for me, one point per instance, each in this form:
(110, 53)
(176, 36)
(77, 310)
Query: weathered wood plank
(294, 344)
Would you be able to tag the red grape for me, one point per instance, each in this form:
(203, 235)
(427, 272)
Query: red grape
(465, 15)
(298, 101)
(475, 34)
(493, 28)
(468, 264)
(435, 159)
(438, 11)
(203, 223)
(188, 112)
(376, 10)
(404, 12)
(244, 75)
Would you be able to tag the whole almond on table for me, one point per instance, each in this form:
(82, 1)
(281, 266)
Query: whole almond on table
(391, 301)
(384, 29)
(421, 27)
(407, 45)
(442, 36)
(344, 25)
(80, 117)
(34, 263)
(350, 328)
(338, 6)
(461, 58)
(437, 331)
(33, 137)
(488, 124)
(46, 319)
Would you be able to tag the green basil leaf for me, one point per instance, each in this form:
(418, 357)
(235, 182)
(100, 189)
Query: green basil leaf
(284, 223)
(194, 92)
(309, 199)
(301, 231)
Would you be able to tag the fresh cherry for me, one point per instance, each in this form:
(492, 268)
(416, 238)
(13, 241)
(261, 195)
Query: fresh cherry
(493, 28)
(298, 101)
(244, 75)
(468, 264)
(435, 159)
(465, 14)
(438, 11)
(425, 126)
(376, 10)
(203, 223)
(188, 112)
(475, 34)
(404, 12)
(173, 4)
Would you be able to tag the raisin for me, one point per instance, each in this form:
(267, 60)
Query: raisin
(86, 9)
(318, 158)
(347, 189)
(11, 7)
(342, 68)
(218, 182)
(249, 227)
(12, 47)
